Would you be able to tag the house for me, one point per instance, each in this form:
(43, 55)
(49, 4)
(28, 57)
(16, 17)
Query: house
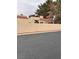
(22, 17)
(31, 20)
(22, 20)
(37, 20)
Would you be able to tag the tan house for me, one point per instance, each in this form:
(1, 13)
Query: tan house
(31, 20)
(22, 20)
(37, 20)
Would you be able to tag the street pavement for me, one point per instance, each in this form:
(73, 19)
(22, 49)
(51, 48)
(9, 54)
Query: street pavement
(39, 46)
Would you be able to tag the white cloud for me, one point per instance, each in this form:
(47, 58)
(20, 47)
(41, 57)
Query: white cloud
(28, 7)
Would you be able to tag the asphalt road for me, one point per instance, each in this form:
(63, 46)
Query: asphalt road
(39, 46)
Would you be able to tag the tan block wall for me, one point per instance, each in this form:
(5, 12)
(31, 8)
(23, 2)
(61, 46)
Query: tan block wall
(23, 26)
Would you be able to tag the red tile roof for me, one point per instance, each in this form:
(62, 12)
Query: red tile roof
(23, 17)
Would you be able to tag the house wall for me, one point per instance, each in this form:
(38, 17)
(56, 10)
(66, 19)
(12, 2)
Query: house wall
(30, 20)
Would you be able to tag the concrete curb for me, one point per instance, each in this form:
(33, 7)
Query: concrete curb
(37, 32)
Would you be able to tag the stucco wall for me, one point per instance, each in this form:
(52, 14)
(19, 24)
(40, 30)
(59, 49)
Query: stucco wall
(33, 28)
(23, 26)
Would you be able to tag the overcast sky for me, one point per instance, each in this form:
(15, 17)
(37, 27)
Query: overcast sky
(28, 7)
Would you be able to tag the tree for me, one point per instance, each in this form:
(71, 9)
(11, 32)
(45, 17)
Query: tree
(58, 12)
(50, 8)
(21, 14)
(43, 10)
(55, 10)
(59, 1)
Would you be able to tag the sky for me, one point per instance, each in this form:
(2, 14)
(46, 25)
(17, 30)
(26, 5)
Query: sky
(28, 7)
